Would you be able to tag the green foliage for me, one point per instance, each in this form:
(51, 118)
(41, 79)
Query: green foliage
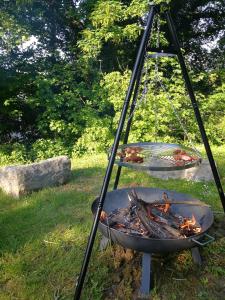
(214, 109)
(108, 21)
(43, 149)
(11, 33)
(156, 117)
(160, 1)
(114, 86)
(96, 138)
(11, 154)
(71, 85)
(17, 153)
(62, 102)
(44, 91)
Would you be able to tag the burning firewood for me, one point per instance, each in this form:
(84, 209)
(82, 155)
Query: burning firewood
(189, 225)
(154, 219)
(172, 223)
(155, 228)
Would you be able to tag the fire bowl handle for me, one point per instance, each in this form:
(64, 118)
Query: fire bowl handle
(209, 240)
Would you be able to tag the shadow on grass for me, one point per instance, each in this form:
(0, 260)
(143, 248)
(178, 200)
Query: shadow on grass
(35, 216)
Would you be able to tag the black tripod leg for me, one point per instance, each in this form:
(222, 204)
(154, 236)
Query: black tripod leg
(196, 109)
(133, 104)
(107, 177)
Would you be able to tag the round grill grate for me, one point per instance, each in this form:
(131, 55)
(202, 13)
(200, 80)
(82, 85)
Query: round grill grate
(157, 156)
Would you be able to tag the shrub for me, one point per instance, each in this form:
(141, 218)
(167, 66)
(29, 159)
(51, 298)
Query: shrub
(46, 148)
(12, 154)
(96, 138)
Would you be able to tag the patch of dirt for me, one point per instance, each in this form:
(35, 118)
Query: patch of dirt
(126, 274)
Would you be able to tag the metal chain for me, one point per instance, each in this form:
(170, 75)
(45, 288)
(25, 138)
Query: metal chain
(170, 100)
(168, 97)
(156, 72)
(145, 71)
(205, 188)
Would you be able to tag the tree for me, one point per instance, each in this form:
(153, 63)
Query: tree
(38, 80)
(120, 23)
(198, 23)
(54, 88)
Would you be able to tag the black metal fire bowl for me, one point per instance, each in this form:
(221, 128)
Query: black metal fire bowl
(119, 199)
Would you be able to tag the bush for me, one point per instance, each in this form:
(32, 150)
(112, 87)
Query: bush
(12, 154)
(43, 149)
(97, 138)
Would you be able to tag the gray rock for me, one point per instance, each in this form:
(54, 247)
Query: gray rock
(22, 179)
(202, 172)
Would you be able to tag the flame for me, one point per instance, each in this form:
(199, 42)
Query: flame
(193, 220)
(191, 224)
(166, 207)
(188, 223)
(163, 207)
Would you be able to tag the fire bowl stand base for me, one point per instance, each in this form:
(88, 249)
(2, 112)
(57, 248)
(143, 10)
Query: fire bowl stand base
(196, 256)
(146, 276)
(147, 282)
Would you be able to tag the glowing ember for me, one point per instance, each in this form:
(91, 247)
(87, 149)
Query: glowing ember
(166, 207)
(190, 225)
(118, 226)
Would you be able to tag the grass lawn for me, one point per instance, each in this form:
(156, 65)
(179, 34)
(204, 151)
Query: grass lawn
(43, 237)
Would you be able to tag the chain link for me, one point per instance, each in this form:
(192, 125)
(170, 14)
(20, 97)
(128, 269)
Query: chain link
(170, 100)
(156, 72)
(144, 71)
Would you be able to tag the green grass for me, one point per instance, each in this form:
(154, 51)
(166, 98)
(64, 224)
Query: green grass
(43, 237)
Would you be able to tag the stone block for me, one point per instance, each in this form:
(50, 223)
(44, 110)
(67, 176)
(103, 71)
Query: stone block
(202, 172)
(22, 179)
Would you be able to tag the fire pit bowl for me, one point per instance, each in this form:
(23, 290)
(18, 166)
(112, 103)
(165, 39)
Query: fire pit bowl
(119, 199)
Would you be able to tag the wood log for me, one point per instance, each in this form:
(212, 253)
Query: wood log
(120, 216)
(155, 229)
(174, 232)
(166, 218)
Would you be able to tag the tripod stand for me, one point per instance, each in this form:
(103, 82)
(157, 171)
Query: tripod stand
(132, 93)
